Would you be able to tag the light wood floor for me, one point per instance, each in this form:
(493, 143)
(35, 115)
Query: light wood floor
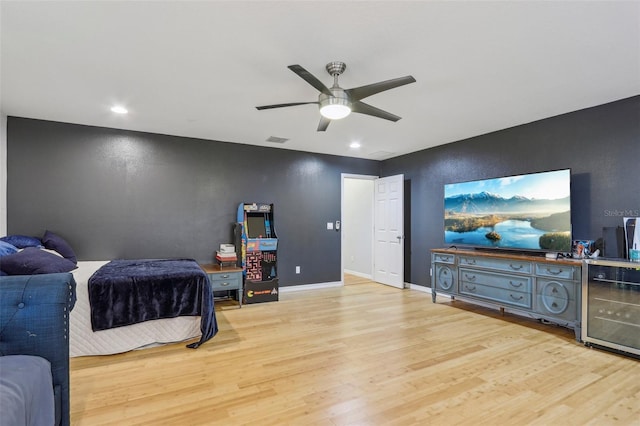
(363, 354)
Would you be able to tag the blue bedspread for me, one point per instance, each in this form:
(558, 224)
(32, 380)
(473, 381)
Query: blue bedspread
(125, 292)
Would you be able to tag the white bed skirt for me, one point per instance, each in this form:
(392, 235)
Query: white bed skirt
(84, 341)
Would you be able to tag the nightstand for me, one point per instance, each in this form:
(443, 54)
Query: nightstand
(225, 279)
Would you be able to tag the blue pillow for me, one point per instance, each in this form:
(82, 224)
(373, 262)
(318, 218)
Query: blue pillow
(55, 242)
(6, 248)
(33, 261)
(22, 241)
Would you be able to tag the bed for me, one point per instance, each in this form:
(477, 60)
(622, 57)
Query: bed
(85, 341)
(121, 304)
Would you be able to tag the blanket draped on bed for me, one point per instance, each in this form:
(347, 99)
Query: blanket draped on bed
(125, 292)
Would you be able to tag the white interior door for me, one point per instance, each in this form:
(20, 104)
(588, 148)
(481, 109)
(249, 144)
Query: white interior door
(389, 231)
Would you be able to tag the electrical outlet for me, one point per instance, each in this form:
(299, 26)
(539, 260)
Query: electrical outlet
(297, 269)
(329, 225)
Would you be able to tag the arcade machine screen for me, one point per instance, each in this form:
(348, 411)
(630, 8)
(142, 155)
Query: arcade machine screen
(256, 227)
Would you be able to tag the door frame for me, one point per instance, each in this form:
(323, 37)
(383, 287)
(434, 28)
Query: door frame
(344, 176)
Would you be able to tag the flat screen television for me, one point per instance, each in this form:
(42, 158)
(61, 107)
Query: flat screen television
(523, 212)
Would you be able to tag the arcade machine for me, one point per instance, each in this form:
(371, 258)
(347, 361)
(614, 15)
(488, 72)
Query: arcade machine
(257, 244)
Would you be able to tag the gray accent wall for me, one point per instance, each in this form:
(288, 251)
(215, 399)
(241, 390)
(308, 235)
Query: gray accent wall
(122, 194)
(601, 146)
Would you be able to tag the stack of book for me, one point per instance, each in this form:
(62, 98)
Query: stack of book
(226, 256)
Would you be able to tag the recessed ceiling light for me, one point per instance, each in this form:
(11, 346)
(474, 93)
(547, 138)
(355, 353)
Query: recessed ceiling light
(119, 109)
(354, 145)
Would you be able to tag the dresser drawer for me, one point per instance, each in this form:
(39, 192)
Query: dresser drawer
(557, 288)
(495, 294)
(506, 265)
(445, 278)
(444, 258)
(506, 282)
(557, 271)
(557, 298)
(226, 281)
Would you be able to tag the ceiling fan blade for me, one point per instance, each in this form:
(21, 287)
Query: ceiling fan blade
(362, 92)
(309, 78)
(284, 105)
(324, 123)
(362, 108)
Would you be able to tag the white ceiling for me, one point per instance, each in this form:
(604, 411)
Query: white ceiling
(198, 69)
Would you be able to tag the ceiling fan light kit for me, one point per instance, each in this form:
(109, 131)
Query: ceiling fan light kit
(337, 103)
(335, 107)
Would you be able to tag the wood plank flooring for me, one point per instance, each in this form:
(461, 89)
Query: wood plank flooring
(362, 354)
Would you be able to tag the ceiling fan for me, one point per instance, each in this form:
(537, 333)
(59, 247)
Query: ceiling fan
(336, 103)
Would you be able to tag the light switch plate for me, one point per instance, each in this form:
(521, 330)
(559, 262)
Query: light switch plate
(329, 225)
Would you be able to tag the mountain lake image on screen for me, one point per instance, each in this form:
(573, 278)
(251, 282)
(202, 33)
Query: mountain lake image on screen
(522, 212)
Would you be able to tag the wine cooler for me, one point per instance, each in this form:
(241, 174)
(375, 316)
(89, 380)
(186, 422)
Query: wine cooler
(611, 304)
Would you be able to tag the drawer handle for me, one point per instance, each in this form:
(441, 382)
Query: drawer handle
(470, 277)
(516, 285)
(470, 288)
(225, 276)
(517, 268)
(444, 258)
(224, 284)
(516, 298)
(470, 261)
(559, 271)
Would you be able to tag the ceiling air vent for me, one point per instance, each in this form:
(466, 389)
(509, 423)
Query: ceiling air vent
(276, 139)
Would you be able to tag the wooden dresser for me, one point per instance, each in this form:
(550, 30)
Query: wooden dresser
(533, 286)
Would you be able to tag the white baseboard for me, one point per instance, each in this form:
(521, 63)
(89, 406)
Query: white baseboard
(291, 288)
(419, 288)
(358, 274)
(333, 284)
(426, 290)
